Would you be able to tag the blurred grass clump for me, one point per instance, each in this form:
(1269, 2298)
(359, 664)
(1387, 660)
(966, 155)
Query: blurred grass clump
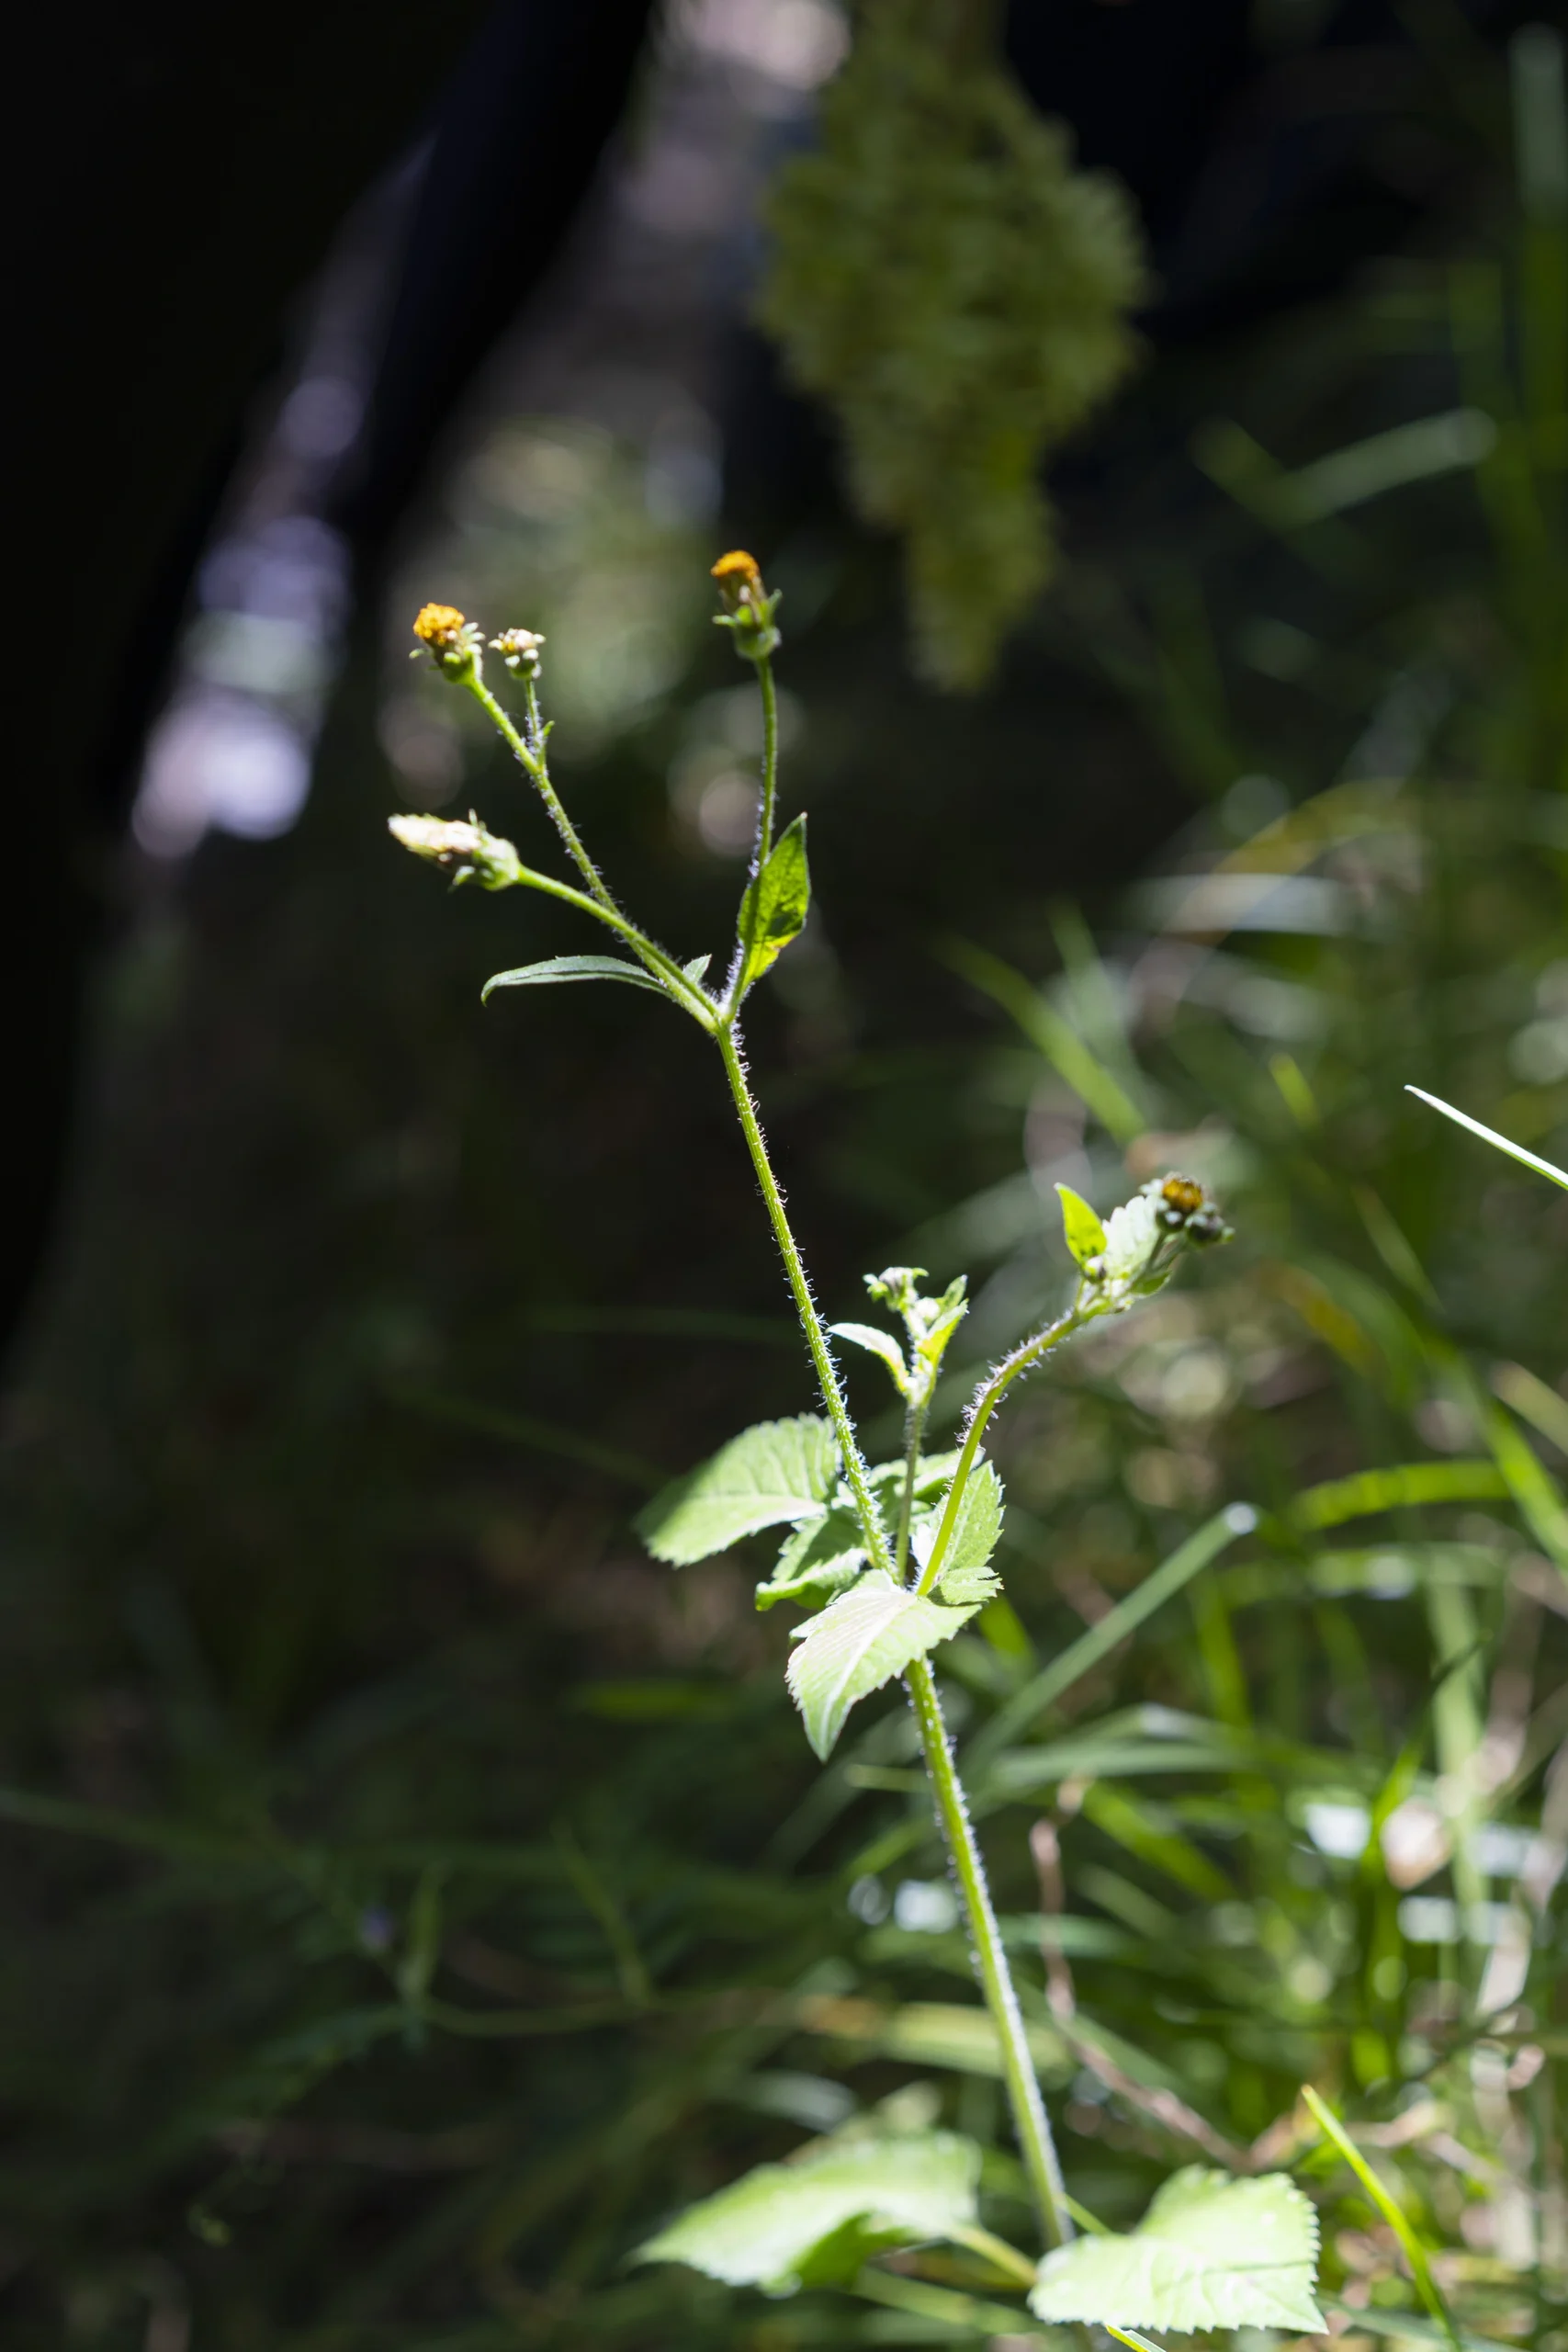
(417, 1894)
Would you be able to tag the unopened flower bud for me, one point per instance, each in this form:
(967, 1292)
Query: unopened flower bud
(740, 579)
(1186, 1209)
(519, 648)
(465, 850)
(452, 642)
(748, 609)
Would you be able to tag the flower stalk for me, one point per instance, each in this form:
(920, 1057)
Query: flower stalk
(1127, 1258)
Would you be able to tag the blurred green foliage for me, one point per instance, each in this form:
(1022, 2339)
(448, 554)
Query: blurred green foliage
(416, 1894)
(959, 297)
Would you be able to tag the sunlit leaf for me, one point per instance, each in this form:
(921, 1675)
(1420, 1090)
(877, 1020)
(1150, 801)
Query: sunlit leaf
(1489, 1135)
(822, 1557)
(777, 1472)
(881, 1344)
(966, 1574)
(1211, 2252)
(866, 1636)
(821, 2215)
(570, 967)
(774, 908)
(952, 1308)
(1084, 1232)
(826, 1554)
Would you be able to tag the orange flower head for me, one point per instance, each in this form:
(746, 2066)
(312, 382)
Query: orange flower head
(739, 577)
(440, 627)
(1183, 1194)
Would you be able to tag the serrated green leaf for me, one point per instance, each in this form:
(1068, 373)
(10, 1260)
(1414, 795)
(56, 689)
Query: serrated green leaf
(777, 1472)
(822, 1557)
(859, 1642)
(876, 1343)
(1211, 2252)
(966, 1574)
(820, 2215)
(1084, 1232)
(776, 903)
(826, 1554)
(570, 967)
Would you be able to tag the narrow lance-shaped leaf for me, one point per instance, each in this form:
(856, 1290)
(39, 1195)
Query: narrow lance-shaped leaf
(1489, 1135)
(1211, 2252)
(864, 1639)
(1084, 1232)
(776, 903)
(774, 1473)
(556, 968)
(820, 2216)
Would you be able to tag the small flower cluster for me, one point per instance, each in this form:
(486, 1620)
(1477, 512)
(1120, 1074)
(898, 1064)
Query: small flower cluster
(455, 643)
(748, 609)
(519, 648)
(452, 642)
(1144, 1237)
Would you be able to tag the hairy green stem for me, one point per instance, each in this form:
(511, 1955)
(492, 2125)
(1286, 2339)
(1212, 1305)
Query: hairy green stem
(751, 904)
(1029, 2120)
(770, 760)
(987, 1397)
(914, 1431)
(805, 1306)
(665, 968)
(530, 759)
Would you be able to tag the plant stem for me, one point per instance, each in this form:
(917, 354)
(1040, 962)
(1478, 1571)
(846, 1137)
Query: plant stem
(1030, 2120)
(531, 760)
(750, 905)
(665, 968)
(914, 1429)
(987, 1397)
(770, 760)
(1018, 2064)
(805, 1306)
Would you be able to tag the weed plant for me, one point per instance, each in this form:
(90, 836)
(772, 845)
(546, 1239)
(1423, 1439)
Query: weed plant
(437, 1975)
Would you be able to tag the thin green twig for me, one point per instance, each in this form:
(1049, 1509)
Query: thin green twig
(530, 758)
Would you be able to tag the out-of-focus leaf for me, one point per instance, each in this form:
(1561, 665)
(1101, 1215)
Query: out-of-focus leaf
(1084, 1232)
(958, 2037)
(836, 2202)
(1369, 1491)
